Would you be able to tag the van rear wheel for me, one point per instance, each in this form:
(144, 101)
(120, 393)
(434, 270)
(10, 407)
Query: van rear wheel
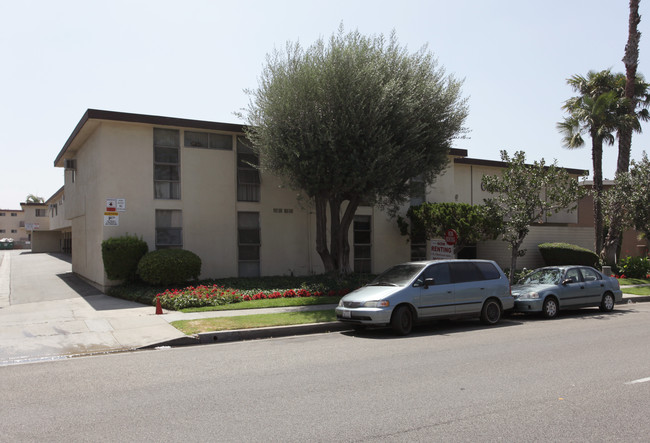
(402, 320)
(491, 312)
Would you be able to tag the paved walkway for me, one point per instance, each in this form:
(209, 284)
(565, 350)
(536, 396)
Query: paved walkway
(47, 313)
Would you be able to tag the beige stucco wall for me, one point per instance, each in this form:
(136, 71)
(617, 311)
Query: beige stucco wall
(10, 223)
(115, 160)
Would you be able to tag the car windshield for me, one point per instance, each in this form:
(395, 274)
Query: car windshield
(398, 275)
(543, 276)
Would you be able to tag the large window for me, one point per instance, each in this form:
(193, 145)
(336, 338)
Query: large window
(248, 238)
(167, 162)
(169, 229)
(40, 213)
(207, 140)
(248, 176)
(362, 242)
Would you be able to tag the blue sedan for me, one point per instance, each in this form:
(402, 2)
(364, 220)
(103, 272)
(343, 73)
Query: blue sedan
(547, 290)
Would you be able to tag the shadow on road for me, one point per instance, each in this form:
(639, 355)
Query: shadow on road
(439, 327)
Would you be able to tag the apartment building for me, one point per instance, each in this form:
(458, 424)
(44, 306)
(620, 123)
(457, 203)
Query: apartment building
(12, 226)
(192, 184)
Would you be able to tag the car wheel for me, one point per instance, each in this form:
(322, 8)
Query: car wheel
(550, 308)
(607, 305)
(402, 320)
(491, 312)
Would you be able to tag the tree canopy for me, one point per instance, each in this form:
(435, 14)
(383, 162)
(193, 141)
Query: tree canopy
(432, 220)
(525, 194)
(353, 119)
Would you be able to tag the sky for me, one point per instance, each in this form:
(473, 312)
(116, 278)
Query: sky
(194, 59)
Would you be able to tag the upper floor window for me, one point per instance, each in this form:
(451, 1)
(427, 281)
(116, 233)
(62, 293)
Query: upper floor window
(362, 244)
(13, 214)
(208, 140)
(418, 191)
(41, 212)
(167, 162)
(248, 176)
(2, 214)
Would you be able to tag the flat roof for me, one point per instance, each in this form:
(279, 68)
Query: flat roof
(500, 164)
(97, 114)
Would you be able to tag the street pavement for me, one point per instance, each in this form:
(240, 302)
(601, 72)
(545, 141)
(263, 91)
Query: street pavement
(48, 313)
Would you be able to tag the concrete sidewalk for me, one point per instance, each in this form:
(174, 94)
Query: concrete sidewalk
(47, 313)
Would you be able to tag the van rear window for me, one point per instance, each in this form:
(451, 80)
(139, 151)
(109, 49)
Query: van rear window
(488, 270)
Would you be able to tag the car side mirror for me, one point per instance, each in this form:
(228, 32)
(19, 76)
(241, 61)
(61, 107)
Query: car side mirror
(566, 281)
(429, 282)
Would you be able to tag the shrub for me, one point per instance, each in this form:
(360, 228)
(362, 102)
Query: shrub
(121, 256)
(634, 267)
(169, 267)
(567, 254)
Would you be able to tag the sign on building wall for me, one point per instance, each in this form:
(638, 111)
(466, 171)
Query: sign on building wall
(111, 219)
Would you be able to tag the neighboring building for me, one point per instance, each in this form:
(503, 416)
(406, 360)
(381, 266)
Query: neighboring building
(52, 232)
(36, 220)
(12, 225)
(190, 184)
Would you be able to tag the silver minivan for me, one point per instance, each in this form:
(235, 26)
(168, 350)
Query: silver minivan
(439, 289)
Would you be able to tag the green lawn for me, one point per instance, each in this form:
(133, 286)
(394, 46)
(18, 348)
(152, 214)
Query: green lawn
(253, 321)
(633, 281)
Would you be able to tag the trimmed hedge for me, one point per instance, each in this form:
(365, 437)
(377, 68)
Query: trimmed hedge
(566, 254)
(169, 267)
(121, 256)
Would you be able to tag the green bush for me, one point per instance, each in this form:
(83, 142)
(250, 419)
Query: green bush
(169, 267)
(566, 254)
(634, 267)
(121, 256)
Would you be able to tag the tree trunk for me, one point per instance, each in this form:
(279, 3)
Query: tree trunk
(631, 60)
(321, 234)
(597, 157)
(335, 231)
(344, 248)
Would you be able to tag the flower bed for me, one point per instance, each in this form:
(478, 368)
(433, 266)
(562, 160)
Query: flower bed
(215, 295)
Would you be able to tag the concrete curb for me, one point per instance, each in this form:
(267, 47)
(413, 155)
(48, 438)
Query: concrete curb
(254, 334)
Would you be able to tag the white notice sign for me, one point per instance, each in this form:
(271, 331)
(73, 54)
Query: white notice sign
(440, 250)
(121, 204)
(111, 220)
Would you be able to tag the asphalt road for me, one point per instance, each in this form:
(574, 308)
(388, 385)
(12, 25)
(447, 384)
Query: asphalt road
(582, 377)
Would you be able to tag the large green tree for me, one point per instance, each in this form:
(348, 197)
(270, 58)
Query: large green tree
(525, 194)
(630, 197)
(594, 112)
(353, 119)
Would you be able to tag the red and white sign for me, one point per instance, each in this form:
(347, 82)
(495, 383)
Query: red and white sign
(441, 250)
(451, 237)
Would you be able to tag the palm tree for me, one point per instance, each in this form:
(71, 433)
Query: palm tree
(595, 112)
(31, 198)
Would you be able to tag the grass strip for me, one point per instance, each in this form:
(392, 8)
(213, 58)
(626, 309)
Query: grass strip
(644, 290)
(633, 281)
(189, 327)
(269, 303)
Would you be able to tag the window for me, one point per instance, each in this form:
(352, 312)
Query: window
(169, 229)
(439, 273)
(13, 214)
(590, 275)
(13, 231)
(418, 190)
(465, 272)
(207, 140)
(166, 147)
(248, 176)
(488, 270)
(248, 239)
(2, 214)
(41, 213)
(362, 242)
(2, 231)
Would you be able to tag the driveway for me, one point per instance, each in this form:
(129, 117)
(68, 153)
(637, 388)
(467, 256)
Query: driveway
(47, 312)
